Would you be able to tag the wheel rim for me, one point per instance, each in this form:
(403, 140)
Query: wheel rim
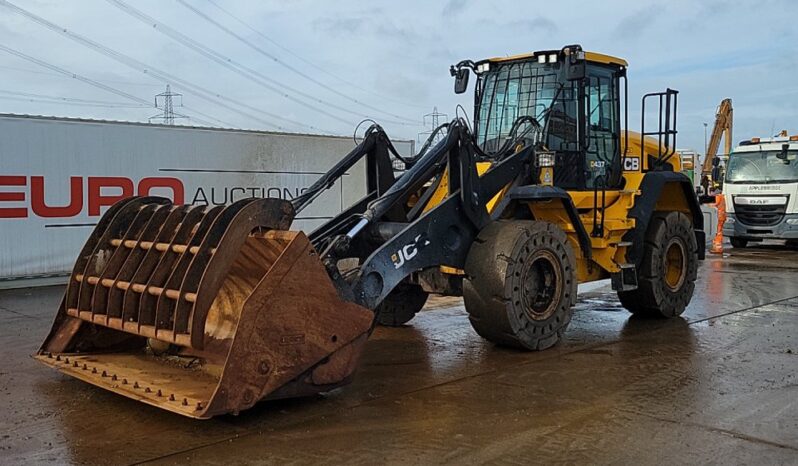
(675, 264)
(542, 285)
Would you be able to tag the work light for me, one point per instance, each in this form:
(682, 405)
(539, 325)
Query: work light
(545, 159)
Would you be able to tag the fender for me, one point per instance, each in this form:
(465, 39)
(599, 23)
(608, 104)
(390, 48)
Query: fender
(534, 193)
(650, 190)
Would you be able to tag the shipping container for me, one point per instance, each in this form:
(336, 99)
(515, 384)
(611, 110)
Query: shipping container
(58, 175)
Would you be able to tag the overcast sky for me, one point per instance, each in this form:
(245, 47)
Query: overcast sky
(322, 66)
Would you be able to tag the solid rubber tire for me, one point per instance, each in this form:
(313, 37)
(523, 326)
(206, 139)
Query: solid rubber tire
(401, 305)
(493, 288)
(653, 298)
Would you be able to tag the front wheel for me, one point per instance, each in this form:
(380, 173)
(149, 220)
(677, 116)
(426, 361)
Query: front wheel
(401, 305)
(520, 283)
(738, 242)
(667, 273)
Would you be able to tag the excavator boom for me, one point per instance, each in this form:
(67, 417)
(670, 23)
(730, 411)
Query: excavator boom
(722, 128)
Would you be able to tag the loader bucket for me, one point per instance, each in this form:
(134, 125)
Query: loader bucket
(204, 310)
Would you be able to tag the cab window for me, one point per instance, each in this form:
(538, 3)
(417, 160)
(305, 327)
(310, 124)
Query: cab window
(601, 107)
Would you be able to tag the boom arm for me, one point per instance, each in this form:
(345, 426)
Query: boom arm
(722, 128)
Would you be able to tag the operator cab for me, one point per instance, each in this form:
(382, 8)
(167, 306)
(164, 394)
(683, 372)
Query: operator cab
(567, 101)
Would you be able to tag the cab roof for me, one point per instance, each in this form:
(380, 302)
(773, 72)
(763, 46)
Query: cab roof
(589, 56)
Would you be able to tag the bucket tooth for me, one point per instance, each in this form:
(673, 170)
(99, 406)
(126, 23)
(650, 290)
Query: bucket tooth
(204, 310)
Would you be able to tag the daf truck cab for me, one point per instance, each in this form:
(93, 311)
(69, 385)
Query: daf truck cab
(761, 191)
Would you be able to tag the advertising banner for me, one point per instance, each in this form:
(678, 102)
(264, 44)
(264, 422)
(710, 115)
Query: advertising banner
(57, 176)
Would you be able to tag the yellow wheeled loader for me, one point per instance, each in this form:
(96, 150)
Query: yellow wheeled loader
(207, 310)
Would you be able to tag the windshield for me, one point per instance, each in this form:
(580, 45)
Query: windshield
(510, 91)
(762, 167)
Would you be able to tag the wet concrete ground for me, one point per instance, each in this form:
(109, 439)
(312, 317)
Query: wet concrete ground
(718, 386)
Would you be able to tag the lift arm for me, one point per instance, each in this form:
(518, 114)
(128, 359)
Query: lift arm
(722, 128)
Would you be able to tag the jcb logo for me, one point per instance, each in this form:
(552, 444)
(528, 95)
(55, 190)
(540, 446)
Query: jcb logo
(631, 164)
(408, 251)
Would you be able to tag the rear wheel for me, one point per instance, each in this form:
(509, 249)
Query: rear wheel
(738, 242)
(401, 305)
(520, 286)
(667, 273)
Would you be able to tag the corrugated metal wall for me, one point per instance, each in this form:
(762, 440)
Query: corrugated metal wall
(58, 175)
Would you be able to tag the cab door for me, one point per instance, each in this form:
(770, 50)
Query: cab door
(602, 162)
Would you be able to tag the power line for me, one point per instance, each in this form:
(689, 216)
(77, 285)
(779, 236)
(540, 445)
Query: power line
(72, 99)
(163, 76)
(45, 73)
(72, 75)
(94, 83)
(240, 69)
(284, 64)
(61, 102)
(226, 62)
(303, 60)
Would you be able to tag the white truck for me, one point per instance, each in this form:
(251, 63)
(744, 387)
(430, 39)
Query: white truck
(761, 191)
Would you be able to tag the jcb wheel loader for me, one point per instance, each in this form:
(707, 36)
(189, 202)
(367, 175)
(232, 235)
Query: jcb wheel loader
(206, 310)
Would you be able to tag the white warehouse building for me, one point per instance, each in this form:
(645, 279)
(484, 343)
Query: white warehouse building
(58, 175)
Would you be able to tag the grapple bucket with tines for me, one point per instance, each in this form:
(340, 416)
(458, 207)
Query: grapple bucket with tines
(204, 310)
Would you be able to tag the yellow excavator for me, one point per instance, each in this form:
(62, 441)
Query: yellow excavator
(711, 175)
(205, 310)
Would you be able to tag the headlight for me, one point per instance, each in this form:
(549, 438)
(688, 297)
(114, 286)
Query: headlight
(483, 67)
(541, 58)
(545, 159)
(553, 58)
(792, 221)
(731, 220)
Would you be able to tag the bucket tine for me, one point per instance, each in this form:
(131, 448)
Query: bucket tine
(194, 266)
(102, 250)
(107, 279)
(130, 301)
(71, 295)
(145, 313)
(217, 253)
(164, 305)
(122, 282)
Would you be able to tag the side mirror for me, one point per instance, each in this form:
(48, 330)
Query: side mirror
(460, 80)
(575, 68)
(783, 154)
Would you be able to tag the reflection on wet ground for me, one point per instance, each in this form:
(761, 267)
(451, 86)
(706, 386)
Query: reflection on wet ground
(718, 385)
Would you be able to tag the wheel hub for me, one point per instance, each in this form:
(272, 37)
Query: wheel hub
(675, 264)
(542, 285)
